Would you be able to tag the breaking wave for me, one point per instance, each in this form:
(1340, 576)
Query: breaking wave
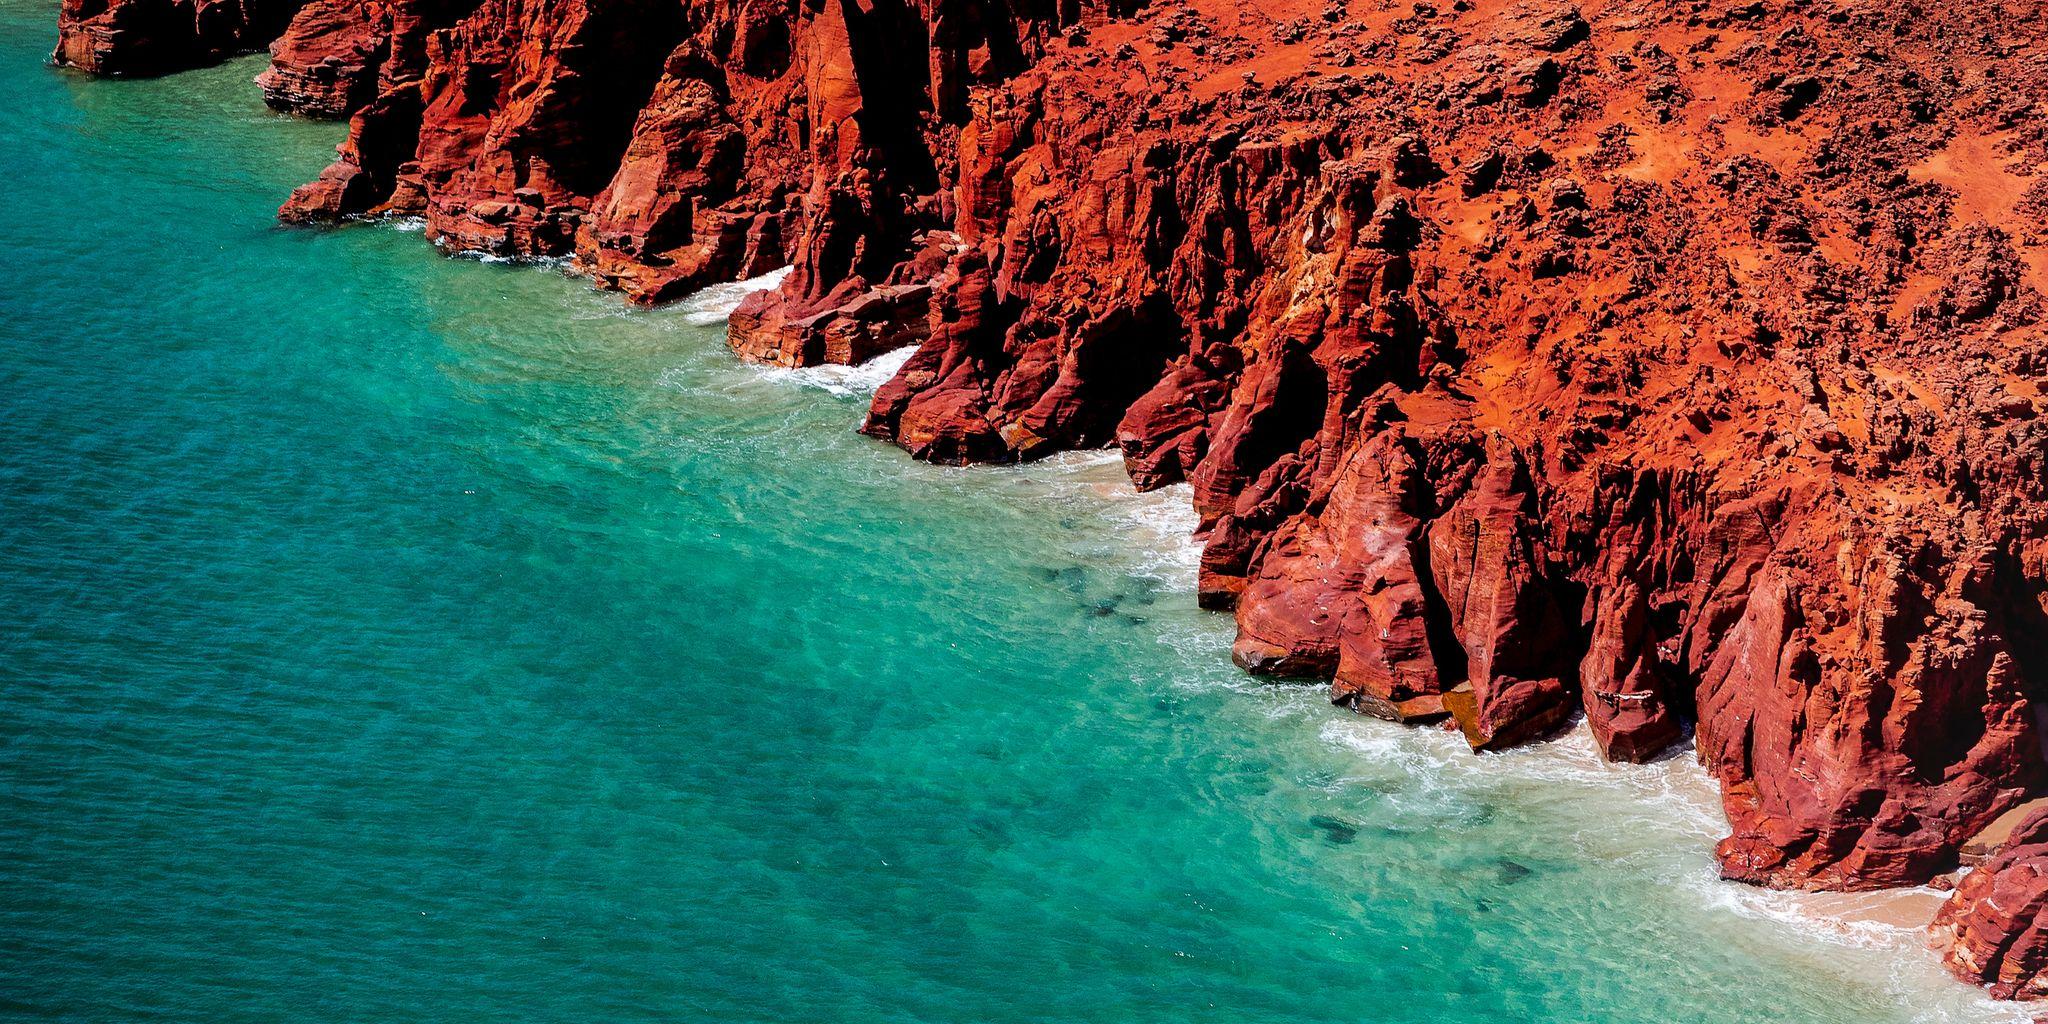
(861, 379)
(714, 304)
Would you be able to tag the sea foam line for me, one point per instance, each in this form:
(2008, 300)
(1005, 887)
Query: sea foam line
(1667, 819)
(1674, 795)
(715, 304)
(1155, 529)
(843, 380)
(1674, 802)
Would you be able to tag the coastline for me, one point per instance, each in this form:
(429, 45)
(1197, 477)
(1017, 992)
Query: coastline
(1668, 810)
(1649, 483)
(1673, 795)
(1654, 821)
(1151, 537)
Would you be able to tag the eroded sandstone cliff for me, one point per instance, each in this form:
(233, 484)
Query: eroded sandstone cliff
(1994, 928)
(1677, 364)
(151, 37)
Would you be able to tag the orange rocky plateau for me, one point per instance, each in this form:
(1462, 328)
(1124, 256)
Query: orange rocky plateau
(1677, 364)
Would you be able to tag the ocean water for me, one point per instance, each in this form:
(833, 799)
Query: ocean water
(386, 637)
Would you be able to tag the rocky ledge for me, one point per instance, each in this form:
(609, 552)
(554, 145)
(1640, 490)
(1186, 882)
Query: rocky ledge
(1673, 363)
(1994, 929)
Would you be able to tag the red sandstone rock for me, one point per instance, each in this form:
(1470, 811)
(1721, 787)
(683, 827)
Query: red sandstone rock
(1678, 363)
(1497, 597)
(1355, 574)
(1993, 930)
(152, 37)
(656, 230)
(652, 141)
(1867, 714)
(326, 62)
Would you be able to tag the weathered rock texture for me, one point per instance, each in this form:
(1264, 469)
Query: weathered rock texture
(1994, 929)
(1677, 364)
(660, 144)
(327, 64)
(152, 37)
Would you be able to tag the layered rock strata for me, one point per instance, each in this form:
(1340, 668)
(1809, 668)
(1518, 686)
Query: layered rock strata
(1677, 365)
(659, 144)
(1994, 928)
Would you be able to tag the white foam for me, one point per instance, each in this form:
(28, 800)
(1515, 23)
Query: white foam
(1664, 818)
(714, 304)
(842, 380)
(397, 222)
(1667, 812)
(1161, 525)
(499, 259)
(1151, 532)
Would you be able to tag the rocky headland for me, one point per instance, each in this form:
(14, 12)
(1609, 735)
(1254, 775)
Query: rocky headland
(1674, 364)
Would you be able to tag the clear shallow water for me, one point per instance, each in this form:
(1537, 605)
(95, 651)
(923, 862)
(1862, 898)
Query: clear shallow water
(395, 638)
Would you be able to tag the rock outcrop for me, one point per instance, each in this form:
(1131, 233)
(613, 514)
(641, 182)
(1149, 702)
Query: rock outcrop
(153, 37)
(1677, 365)
(326, 64)
(654, 142)
(1994, 928)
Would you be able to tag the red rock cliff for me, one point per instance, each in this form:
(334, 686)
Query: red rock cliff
(1674, 364)
(1994, 929)
(658, 143)
(151, 37)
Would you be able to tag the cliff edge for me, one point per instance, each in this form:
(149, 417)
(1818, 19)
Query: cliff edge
(1674, 364)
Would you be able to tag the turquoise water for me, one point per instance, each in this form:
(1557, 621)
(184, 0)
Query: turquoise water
(395, 638)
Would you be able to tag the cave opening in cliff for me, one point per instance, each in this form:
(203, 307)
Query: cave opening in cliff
(1446, 651)
(1117, 360)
